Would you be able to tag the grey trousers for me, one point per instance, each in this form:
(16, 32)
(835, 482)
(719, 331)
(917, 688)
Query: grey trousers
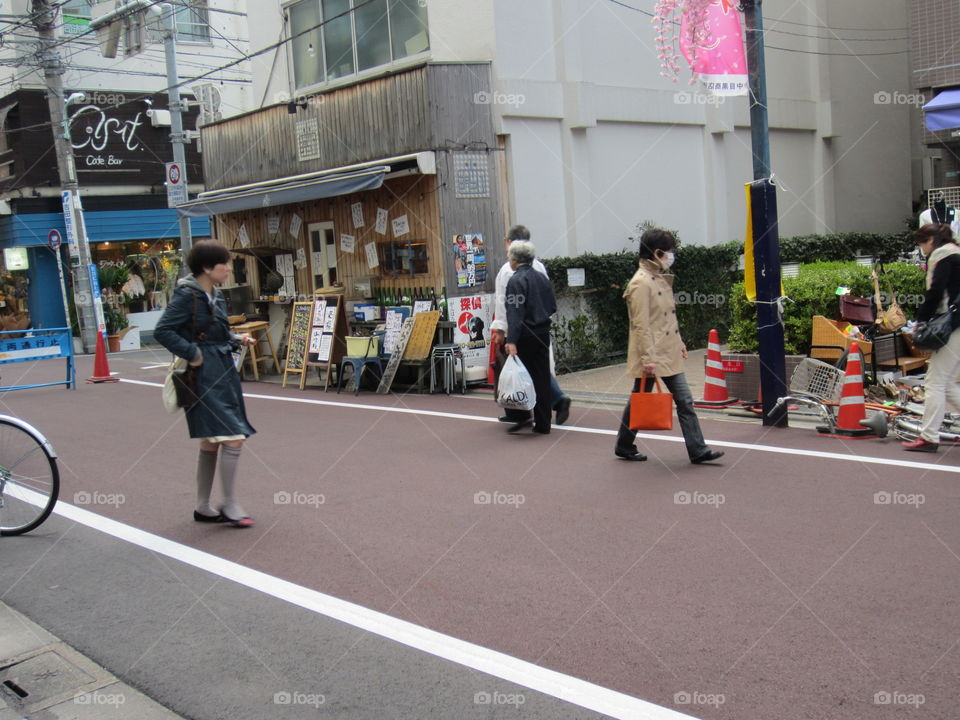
(689, 424)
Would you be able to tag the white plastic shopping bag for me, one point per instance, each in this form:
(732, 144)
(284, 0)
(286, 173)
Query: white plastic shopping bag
(515, 390)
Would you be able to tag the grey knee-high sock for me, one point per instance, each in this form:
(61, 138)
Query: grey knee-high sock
(229, 459)
(206, 466)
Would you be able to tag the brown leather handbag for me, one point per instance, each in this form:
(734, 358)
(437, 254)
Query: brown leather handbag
(892, 318)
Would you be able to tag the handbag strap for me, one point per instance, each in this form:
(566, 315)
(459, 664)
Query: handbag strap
(643, 385)
(193, 323)
(876, 291)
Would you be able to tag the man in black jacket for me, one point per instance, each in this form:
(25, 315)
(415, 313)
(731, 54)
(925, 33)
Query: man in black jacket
(530, 303)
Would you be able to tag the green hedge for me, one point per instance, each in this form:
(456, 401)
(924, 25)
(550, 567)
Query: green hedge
(813, 292)
(709, 290)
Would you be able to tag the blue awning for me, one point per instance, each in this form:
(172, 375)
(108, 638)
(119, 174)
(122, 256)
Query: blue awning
(943, 112)
(279, 193)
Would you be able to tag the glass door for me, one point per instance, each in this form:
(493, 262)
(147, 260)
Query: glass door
(323, 255)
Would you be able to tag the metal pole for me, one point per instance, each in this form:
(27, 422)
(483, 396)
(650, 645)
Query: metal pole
(177, 136)
(89, 308)
(766, 241)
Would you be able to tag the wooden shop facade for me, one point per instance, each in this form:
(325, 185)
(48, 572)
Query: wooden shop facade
(389, 188)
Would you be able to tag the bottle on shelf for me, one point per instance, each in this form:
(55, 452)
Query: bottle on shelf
(444, 315)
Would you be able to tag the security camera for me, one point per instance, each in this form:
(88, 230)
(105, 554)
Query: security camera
(76, 97)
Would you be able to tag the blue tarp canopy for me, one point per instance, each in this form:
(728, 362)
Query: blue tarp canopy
(279, 192)
(943, 112)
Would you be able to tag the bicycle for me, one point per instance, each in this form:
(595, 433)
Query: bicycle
(29, 478)
(818, 385)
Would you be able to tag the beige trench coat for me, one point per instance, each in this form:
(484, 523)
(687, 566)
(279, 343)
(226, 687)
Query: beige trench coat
(654, 332)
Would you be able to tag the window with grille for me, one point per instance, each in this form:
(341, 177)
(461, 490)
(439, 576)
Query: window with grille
(344, 37)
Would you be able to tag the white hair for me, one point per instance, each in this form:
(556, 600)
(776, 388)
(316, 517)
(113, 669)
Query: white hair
(523, 251)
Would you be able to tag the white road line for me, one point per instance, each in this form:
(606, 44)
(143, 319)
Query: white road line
(601, 431)
(154, 367)
(549, 682)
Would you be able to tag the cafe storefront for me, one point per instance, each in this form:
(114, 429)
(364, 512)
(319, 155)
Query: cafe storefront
(385, 192)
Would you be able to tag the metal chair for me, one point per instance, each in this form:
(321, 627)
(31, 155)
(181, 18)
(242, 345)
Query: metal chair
(447, 356)
(360, 364)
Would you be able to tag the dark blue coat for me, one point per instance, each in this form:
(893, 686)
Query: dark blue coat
(220, 410)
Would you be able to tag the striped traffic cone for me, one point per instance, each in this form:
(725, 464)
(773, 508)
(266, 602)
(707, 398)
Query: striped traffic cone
(852, 402)
(101, 368)
(714, 384)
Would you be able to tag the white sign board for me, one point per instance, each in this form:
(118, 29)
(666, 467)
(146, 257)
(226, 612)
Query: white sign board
(176, 188)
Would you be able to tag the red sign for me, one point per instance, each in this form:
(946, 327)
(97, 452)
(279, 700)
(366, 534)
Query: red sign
(54, 240)
(733, 366)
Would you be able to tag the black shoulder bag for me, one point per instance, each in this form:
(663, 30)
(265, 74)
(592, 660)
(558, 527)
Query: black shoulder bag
(185, 381)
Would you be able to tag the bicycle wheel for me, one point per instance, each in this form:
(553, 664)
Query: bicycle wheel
(29, 480)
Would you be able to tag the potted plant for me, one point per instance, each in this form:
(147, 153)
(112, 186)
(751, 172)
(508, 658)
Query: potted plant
(116, 321)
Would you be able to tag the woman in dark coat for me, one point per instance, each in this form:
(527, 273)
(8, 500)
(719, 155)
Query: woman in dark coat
(194, 326)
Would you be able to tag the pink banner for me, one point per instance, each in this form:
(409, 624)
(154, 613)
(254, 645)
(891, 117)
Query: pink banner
(714, 48)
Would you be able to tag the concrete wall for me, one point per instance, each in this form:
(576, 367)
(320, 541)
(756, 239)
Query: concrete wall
(597, 142)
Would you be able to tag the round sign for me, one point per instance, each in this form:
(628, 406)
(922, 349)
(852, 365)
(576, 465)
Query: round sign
(173, 174)
(54, 239)
(463, 323)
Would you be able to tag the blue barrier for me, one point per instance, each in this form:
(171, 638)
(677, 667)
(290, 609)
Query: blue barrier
(31, 345)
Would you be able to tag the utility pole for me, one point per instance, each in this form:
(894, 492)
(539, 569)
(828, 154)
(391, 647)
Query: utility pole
(766, 245)
(89, 307)
(178, 138)
(176, 107)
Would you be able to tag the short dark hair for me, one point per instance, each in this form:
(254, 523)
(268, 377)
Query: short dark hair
(206, 254)
(941, 234)
(518, 232)
(656, 239)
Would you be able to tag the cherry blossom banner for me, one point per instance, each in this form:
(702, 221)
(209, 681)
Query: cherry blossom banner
(711, 40)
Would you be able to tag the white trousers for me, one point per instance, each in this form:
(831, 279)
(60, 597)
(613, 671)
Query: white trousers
(941, 387)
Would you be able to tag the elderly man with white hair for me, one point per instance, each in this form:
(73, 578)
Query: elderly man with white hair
(498, 330)
(530, 304)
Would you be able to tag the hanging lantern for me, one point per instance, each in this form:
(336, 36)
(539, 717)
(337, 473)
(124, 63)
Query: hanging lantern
(710, 38)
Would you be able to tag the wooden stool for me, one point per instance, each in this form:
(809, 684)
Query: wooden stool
(259, 331)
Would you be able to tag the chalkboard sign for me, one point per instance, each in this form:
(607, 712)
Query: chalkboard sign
(300, 324)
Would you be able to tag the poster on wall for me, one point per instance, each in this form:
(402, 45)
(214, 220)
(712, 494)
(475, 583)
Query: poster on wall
(273, 224)
(347, 243)
(401, 226)
(469, 260)
(295, 223)
(372, 259)
(244, 238)
(381, 221)
(471, 318)
(357, 210)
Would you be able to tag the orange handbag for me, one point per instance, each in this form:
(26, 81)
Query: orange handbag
(651, 410)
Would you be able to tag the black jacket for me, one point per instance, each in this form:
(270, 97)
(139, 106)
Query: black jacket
(946, 278)
(530, 303)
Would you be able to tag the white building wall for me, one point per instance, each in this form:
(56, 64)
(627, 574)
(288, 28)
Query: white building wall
(598, 142)
(87, 69)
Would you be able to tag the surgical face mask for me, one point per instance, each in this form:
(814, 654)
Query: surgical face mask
(666, 260)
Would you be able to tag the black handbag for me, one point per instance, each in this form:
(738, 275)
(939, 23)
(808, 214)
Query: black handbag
(185, 384)
(935, 332)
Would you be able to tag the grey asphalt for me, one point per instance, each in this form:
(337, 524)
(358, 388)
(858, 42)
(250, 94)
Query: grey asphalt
(770, 585)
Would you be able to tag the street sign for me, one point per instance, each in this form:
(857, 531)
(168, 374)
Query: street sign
(176, 188)
(54, 239)
(67, 198)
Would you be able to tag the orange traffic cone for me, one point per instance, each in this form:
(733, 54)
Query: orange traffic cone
(715, 384)
(852, 403)
(101, 368)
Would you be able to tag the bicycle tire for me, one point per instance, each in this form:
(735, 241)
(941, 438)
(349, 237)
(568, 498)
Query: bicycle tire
(38, 491)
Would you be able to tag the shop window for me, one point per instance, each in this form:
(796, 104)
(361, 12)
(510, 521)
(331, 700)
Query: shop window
(374, 34)
(193, 22)
(76, 8)
(405, 257)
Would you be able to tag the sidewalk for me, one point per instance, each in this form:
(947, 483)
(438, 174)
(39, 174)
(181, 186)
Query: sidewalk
(42, 677)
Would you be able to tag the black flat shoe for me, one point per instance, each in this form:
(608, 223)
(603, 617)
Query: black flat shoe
(563, 410)
(505, 419)
(218, 518)
(542, 431)
(708, 456)
(517, 427)
(630, 454)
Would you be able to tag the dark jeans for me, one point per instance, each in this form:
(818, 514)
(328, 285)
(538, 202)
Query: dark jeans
(534, 353)
(689, 424)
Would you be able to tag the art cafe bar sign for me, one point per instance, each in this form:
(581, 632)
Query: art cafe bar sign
(114, 140)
